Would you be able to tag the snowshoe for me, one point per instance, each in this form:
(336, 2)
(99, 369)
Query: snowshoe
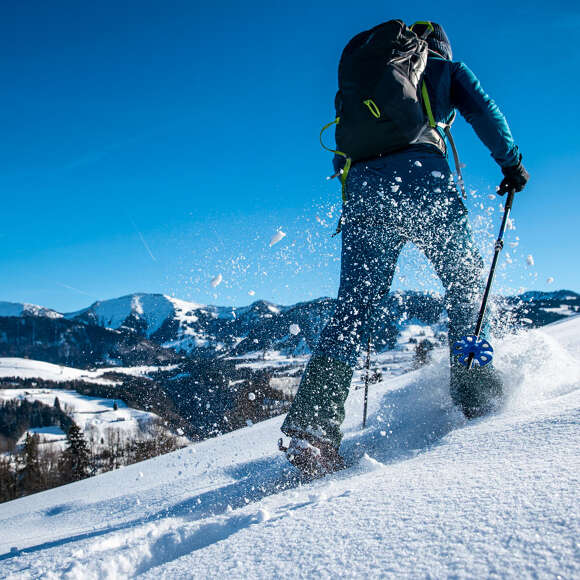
(478, 391)
(312, 458)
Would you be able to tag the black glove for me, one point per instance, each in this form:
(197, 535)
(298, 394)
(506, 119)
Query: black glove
(515, 178)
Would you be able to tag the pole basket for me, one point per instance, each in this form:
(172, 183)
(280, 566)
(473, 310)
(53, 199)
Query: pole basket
(473, 350)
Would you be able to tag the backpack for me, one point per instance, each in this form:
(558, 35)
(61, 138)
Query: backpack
(382, 103)
(379, 91)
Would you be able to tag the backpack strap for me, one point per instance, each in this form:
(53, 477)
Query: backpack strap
(427, 104)
(348, 161)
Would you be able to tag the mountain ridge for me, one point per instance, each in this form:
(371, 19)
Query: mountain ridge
(159, 321)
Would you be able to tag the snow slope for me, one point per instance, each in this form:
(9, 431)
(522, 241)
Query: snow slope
(427, 495)
(24, 368)
(34, 369)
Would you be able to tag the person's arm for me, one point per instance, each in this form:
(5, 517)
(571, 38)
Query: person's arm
(480, 111)
(490, 125)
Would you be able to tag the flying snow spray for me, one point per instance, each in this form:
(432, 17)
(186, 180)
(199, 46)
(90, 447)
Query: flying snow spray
(471, 349)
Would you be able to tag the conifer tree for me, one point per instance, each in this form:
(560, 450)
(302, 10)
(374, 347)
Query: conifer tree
(30, 476)
(76, 461)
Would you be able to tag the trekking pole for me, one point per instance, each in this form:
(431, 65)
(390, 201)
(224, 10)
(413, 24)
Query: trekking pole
(367, 378)
(471, 348)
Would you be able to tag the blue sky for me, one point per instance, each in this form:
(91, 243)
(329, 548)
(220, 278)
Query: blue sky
(149, 146)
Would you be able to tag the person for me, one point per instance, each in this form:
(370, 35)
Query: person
(392, 199)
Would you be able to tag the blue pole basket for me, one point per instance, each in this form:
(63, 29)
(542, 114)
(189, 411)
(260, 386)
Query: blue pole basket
(480, 350)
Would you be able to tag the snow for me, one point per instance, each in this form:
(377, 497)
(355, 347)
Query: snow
(154, 309)
(93, 415)
(215, 282)
(30, 369)
(24, 368)
(277, 237)
(530, 260)
(294, 329)
(46, 435)
(426, 494)
(563, 310)
(22, 309)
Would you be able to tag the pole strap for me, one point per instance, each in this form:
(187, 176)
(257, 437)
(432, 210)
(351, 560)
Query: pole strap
(456, 160)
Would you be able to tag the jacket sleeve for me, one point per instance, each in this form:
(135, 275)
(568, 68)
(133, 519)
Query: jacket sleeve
(480, 111)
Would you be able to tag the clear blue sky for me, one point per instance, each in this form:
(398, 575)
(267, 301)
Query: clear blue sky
(149, 146)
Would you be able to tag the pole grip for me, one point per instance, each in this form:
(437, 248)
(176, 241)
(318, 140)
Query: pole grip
(510, 199)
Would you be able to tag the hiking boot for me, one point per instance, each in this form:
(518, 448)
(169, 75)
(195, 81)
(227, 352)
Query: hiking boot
(312, 458)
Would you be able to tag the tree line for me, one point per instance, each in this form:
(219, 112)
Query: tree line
(36, 466)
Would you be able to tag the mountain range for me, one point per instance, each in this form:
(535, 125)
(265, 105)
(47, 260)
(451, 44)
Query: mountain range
(158, 329)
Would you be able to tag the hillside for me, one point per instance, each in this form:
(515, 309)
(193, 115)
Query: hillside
(426, 494)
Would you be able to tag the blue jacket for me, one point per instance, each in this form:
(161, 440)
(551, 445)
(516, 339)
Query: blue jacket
(452, 86)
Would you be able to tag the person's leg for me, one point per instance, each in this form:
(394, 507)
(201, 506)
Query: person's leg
(445, 238)
(369, 257)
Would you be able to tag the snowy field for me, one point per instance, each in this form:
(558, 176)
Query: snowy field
(24, 368)
(34, 369)
(426, 494)
(94, 415)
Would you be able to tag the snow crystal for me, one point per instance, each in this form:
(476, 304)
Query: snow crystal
(398, 179)
(252, 396)
(216, 281)
(279, 235)
(418, 164)
(491, 196)
(550, 280)
(262, 516)
(530, 260)
(370, 464)
(251, 292)
(294, 329)
(394, 188)
(436, 174)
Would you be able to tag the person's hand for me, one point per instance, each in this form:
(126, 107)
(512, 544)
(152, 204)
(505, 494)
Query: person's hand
(515, 178)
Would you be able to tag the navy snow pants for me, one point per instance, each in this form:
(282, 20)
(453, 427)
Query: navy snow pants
(396, 199)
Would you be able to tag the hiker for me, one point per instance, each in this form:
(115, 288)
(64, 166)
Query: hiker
(391, 198)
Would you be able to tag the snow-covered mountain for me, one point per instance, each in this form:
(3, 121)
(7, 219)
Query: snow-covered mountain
(25, 309)
(425, 495)
(140, 328)
(206, 330)
(197, 329)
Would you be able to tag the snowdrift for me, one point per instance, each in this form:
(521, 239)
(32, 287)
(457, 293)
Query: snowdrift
(426, 494)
